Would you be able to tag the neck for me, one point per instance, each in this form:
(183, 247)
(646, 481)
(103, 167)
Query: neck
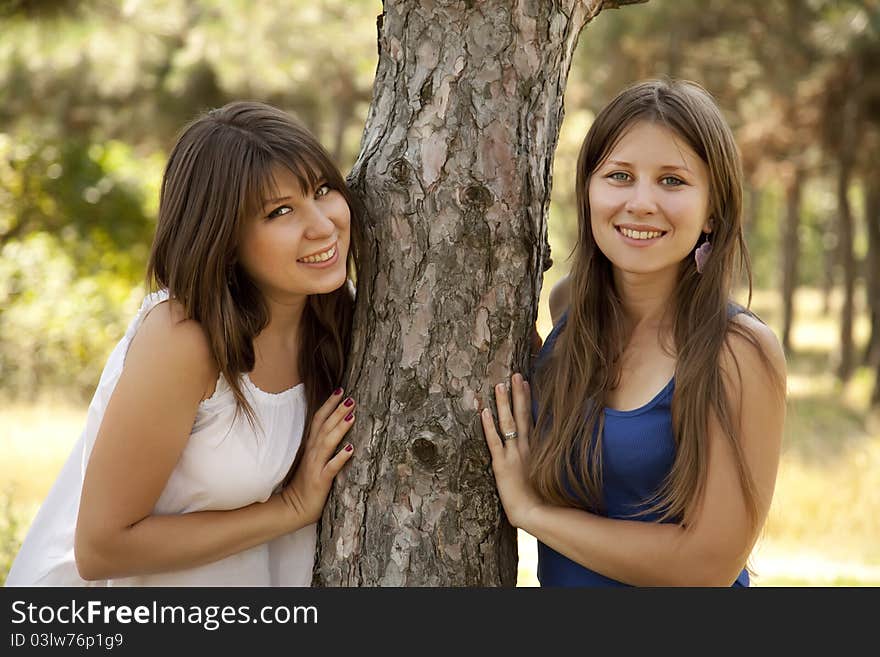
(646, 298)
(284, 320)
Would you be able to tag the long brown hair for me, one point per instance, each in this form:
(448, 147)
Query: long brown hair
(218, 172)
(574, 381)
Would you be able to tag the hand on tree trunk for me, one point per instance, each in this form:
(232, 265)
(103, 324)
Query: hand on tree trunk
(307, 492)
(510, 451)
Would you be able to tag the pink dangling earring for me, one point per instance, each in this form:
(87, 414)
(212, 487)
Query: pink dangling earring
(701, 255)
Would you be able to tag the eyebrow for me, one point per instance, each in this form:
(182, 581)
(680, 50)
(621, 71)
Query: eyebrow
(270, 201)
(665, 167)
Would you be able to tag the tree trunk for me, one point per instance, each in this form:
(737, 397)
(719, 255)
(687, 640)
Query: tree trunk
(345, 98)
(790, 254)
(872, 221)
(752, 211)
(872, 273)
(454, 172)
(847, 148)
(830, 255)
(848, 263)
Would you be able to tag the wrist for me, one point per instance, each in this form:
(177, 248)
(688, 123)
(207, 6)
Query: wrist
(286, 511)
(527, 519)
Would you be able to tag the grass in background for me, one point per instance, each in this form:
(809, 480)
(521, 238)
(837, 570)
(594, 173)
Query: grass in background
(824, 524)
(35, 440)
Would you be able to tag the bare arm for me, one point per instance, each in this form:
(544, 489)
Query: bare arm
(558, 303)
(560, 298)
(715, 547)
(168, 371)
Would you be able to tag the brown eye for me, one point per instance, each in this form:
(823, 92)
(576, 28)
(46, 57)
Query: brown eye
(277, 212)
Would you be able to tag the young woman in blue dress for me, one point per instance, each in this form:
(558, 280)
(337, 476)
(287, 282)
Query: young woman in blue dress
(658, 403)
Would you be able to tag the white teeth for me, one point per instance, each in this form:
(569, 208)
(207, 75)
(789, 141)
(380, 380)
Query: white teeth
(640, 234)
(320, 257)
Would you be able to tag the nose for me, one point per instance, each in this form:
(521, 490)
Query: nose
(320, 223)
(641, 202)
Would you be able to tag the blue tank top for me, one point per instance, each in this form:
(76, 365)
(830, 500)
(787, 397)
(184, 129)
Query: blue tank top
(638, 449)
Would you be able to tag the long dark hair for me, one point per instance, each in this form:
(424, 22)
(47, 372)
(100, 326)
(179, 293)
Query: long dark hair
(574, 382)
(216, 177)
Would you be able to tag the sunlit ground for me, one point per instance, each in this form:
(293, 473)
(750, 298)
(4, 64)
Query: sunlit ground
(824, 525)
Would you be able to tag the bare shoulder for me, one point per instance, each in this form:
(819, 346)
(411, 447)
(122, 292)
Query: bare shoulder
(167, 338)
(559, 298)
(753, 348)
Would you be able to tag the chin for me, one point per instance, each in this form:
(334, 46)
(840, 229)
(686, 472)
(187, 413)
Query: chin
(644, 268)
(632, 265)
(331, 284)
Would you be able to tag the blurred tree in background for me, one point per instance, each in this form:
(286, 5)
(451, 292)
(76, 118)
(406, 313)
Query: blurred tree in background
(92, 94)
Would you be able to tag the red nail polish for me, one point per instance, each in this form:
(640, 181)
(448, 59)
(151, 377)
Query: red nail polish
(349, 447)
(348, 402)
(349, 416)
(338, 391)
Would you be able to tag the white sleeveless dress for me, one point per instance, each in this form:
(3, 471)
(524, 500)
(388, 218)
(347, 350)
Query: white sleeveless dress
(224, 465)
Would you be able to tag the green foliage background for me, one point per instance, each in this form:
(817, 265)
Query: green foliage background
(93, 93)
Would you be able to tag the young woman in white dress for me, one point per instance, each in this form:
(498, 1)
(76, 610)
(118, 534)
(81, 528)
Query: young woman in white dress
(214, 434)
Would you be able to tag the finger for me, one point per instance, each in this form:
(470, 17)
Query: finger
(505, 416)
(522, 406)
(335, 464)
(338, 415)
(326, 409)
(492, 439)
(525, 446)
(329, 440)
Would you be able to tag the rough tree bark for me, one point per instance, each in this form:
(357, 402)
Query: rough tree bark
(454, 173)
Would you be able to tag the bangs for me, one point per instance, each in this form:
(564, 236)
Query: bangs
(309, 169)
(616, 127)
(615, 134)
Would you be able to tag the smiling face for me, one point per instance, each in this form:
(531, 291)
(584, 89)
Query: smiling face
(298, 244)
(649, 200)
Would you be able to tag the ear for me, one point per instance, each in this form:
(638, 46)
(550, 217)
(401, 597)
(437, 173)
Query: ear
(708, 225)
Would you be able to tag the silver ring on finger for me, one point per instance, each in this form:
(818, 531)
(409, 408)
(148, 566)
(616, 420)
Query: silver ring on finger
(510, 435)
